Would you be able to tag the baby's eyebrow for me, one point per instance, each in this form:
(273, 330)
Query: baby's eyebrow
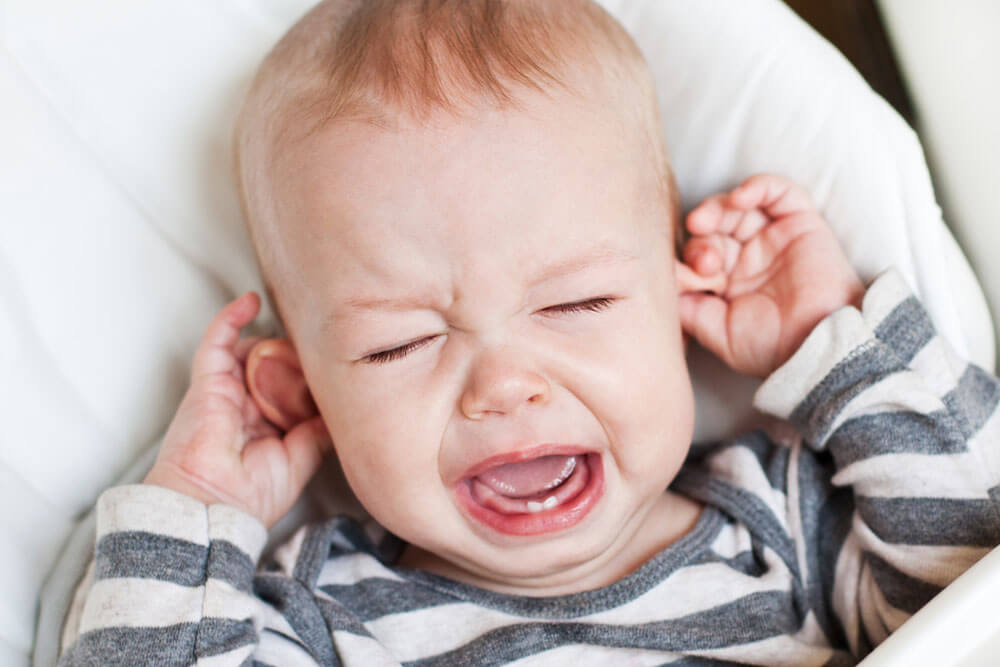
(601, 254)
(424, 300)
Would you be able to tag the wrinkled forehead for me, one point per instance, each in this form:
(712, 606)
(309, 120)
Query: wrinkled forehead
(502, 191)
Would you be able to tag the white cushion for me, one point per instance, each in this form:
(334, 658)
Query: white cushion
(121, 233)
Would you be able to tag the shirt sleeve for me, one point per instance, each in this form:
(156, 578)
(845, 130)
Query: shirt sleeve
(173, 583)
(912, 434)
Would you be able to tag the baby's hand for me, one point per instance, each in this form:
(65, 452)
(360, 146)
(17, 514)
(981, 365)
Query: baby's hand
(784, 273)
(219, 447)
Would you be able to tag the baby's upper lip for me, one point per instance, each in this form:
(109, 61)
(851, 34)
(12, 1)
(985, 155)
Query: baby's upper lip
(525, 454)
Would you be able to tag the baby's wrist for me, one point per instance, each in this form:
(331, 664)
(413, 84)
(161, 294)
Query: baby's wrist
(169, 477)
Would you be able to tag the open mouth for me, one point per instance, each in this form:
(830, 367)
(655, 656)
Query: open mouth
(540, 495)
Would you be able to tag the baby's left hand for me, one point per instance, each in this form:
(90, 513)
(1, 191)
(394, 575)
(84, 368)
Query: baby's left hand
(784, 272)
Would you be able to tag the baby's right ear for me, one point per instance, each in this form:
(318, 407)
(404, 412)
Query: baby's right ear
(276, 383)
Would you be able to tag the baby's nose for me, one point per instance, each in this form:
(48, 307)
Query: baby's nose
(500, 383)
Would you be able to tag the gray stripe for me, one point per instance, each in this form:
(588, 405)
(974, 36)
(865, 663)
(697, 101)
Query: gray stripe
(932, 521)
(866, 366)
(907, 329)
(373, 598)
(746, 562)
(301, 609)
(895, 433)
(773, 458)
(825, 514)
(150, 556)
(743, 506)
(221, 635)
(137, 554)
(228, 562)
(162, 646)
(974, 399)
(900, 589)
(574, 605)
(725, 625)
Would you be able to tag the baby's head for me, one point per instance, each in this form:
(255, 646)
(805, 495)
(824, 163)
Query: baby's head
(465, 216)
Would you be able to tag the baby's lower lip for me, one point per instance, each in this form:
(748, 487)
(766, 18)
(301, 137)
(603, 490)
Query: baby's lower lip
(566, 514)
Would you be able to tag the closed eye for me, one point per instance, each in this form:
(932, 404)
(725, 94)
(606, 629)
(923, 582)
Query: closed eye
(589, 305)
(592, 305)
(397, 352)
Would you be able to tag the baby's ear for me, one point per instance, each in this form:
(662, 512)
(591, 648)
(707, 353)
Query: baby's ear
(277, 384)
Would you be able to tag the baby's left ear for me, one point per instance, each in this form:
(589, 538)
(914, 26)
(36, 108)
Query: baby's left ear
(276, 383)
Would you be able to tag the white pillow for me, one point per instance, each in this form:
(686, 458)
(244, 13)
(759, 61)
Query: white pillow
(121, 232)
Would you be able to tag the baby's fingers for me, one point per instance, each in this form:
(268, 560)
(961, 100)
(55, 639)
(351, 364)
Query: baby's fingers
(215, 353)
(711, 254)
(774, 195)
(716, 215)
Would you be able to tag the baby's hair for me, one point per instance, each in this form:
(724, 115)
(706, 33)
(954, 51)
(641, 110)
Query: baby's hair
(376, 61)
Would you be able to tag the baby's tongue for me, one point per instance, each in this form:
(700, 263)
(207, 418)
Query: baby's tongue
(529, 478)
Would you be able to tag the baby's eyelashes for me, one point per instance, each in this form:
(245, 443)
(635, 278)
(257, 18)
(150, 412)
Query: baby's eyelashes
(594, 305)
(399, 352)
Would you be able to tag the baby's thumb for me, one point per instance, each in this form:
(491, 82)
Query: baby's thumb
(704, 317)
(306, 444)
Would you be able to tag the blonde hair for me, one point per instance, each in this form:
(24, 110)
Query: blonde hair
(377, 60)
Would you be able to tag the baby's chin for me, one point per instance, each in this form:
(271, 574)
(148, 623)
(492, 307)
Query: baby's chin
(571, 563)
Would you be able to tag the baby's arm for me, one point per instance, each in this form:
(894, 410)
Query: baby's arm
(175, 559)
(910, 431)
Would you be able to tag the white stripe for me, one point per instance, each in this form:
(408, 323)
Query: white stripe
(984, 445)
(125, 602)
(238, 527)
(900, 391)
(839, 334)
(907, 475)
(694, 589)
(937, 565)
(287, 555)
(845, 588)
(733, 539)
(778, 651)
(230, 658)
(352, 568)
(432, 630)
(883, 296)
(740, 466)
(869, 600)
(689, 590)
(153, 509)
(276, 650)
(224, 601)
(795, 513)
(359, 651)
(585, 655)
(939, 366)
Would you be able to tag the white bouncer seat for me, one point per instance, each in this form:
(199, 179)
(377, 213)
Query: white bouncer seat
(121, 234)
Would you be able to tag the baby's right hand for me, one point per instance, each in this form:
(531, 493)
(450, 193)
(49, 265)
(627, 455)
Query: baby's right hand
(219, 448)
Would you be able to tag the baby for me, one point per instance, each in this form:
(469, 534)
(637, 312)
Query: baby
(464, 213)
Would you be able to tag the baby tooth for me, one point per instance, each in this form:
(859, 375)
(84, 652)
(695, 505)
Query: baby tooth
(550, 502)
(534, 507)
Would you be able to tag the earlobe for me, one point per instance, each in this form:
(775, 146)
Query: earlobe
(276, 383)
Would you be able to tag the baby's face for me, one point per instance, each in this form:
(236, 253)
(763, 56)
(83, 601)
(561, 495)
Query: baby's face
(489, 292)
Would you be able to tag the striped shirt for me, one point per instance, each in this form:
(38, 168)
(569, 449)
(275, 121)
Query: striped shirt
(807, 553)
